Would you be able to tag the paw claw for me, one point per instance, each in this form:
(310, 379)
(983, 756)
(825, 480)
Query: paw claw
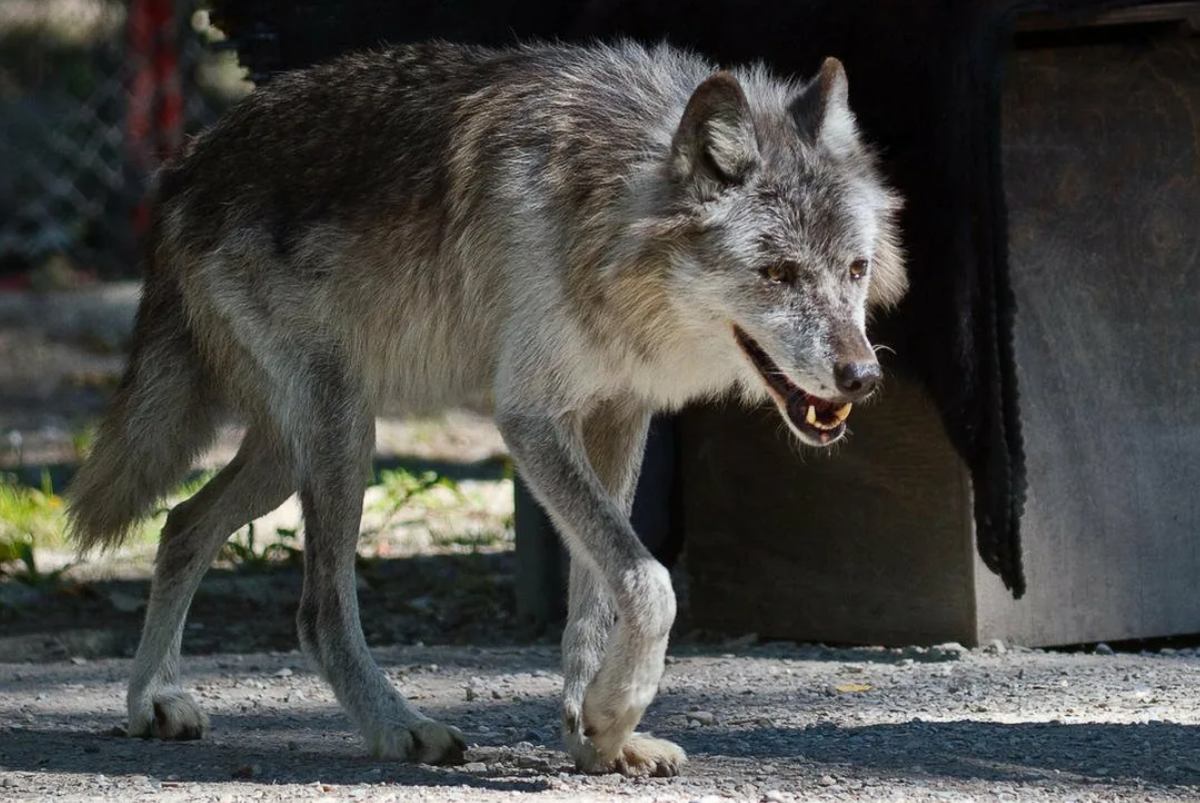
(172, 715)
(424, 742)
(641, 755)
(436, 743)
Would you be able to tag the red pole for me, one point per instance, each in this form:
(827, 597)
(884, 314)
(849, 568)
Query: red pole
(154, 121)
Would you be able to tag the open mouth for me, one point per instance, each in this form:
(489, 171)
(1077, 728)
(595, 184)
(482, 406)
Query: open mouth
(818, 420)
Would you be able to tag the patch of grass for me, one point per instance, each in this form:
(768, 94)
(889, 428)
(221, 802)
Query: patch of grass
(402, 490)
(474, 541)
(29, 517)
(33, 515)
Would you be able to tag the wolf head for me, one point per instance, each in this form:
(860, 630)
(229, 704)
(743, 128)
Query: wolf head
(792, 240)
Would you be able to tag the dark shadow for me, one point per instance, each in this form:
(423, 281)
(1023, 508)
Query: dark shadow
(492, 468)
(319, 747)
(1158, 753)
(434, 599)
(266, 760)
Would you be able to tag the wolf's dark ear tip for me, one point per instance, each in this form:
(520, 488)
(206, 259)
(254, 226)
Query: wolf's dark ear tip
(721, 79)
(832, 66)
(833, 77)
(721, 86)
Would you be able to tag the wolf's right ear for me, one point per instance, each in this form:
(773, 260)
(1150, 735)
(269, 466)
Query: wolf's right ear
(822, 110)
(716, 143)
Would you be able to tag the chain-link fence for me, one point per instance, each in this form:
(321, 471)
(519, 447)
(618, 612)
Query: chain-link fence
(93, 95)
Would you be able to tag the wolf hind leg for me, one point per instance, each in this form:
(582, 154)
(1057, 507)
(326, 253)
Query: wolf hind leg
(333, 435)
(254, 483)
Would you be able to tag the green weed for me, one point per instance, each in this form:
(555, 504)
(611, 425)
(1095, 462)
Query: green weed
(246, 555)
(29, 517)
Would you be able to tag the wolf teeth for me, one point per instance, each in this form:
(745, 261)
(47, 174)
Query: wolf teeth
(811, 417)
(839, 416)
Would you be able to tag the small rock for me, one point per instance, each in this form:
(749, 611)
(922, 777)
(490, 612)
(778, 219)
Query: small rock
(950, 651)
(532, 763)
(773, 796)
(284, 673)
(701, 717)
(8, 783)
(475, 767)
(1103, 649)
(996, 647)
(827, 780)
(78, 660)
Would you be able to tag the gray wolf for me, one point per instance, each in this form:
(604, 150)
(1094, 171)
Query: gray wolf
(584, 235)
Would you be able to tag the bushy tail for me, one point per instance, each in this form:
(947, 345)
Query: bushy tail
(162, 416)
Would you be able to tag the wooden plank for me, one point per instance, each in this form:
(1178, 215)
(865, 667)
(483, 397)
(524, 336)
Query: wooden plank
(1102, 163)
(1134, 15)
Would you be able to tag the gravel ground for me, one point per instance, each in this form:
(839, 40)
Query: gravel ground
(762, 723)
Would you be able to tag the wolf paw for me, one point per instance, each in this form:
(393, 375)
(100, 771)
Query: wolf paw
(168, 714)
(425, 742)
(640, 755)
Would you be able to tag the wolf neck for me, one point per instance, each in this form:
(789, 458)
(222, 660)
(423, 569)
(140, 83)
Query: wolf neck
(627, 301)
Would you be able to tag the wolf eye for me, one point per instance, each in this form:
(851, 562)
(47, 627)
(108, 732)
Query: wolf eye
(858, 268)
(779, 273)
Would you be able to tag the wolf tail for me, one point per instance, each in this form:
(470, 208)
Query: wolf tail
(163, 414)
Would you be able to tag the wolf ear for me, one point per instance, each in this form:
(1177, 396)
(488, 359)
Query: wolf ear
(822, 110)
(716, 142)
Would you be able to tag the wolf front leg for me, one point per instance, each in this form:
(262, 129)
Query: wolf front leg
(583, 472)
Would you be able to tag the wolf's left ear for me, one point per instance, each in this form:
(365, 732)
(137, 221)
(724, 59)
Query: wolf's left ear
(716, 142)
(822, 110)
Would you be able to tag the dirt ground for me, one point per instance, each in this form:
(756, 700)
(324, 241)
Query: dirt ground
(761, 723)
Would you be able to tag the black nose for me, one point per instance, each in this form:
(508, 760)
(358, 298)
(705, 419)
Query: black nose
(857, 378)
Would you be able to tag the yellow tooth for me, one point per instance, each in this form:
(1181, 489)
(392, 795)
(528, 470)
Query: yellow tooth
(842, 413)
(811, 417)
